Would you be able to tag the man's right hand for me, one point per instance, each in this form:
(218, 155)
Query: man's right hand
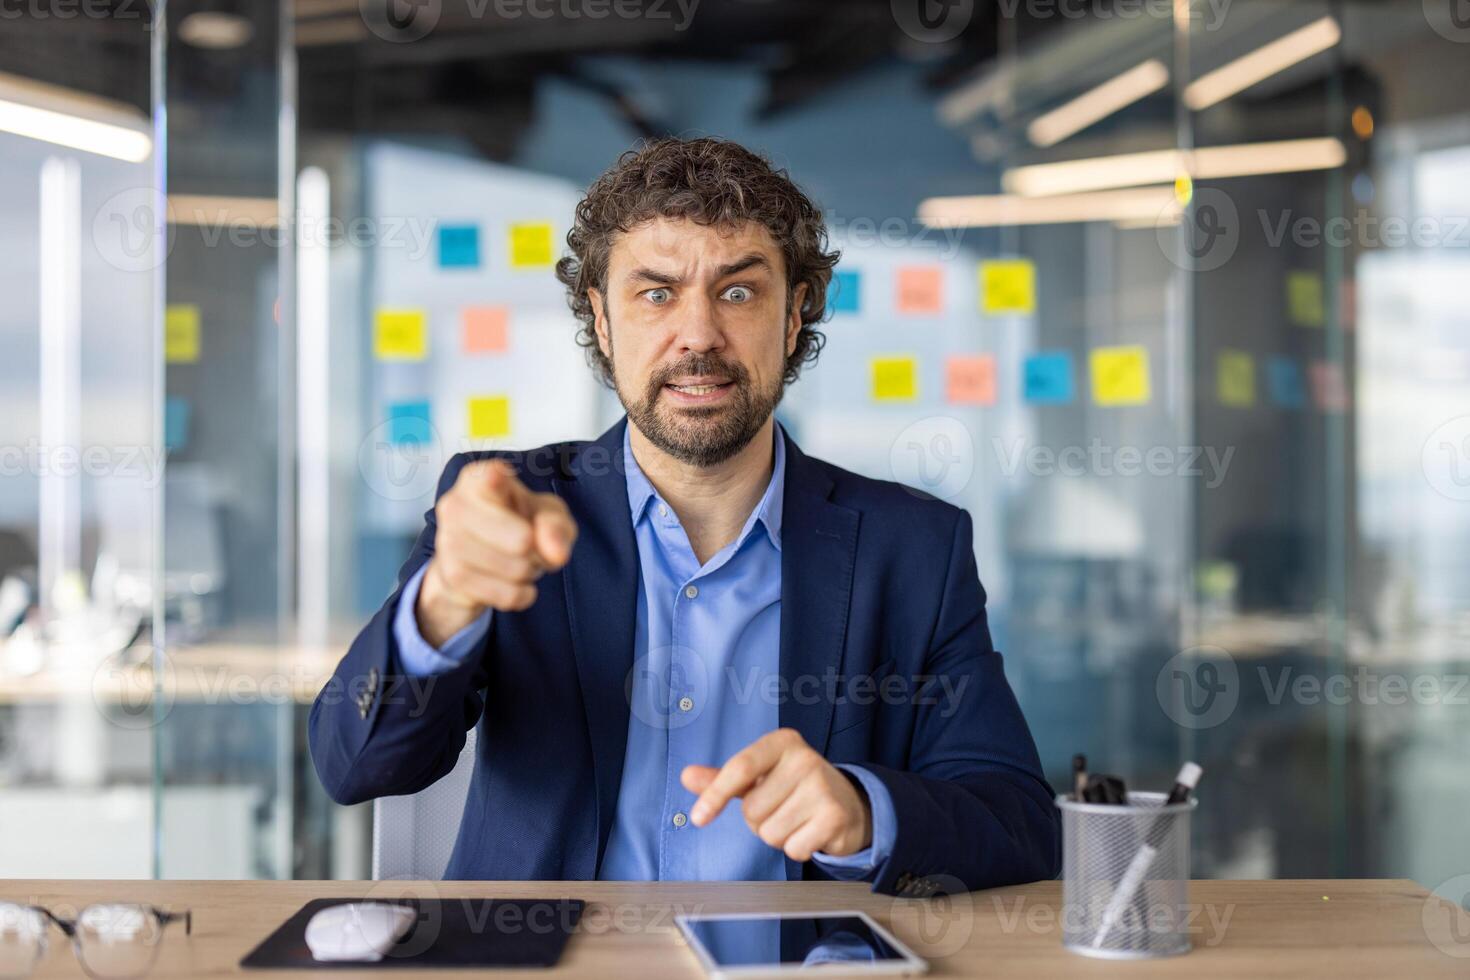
(495, 538)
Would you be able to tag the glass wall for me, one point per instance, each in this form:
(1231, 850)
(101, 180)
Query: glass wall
(81, 458)
(1163, 294)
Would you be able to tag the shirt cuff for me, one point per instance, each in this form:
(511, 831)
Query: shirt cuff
(415, 655)
(860, 866)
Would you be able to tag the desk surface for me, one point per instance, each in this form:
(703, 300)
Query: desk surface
(1245, 928)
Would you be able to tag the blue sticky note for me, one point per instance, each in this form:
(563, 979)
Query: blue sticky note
(409, 424)
(175, 422)
(842, 292)
(459, 246)
(1047, 378)
(1284, 381)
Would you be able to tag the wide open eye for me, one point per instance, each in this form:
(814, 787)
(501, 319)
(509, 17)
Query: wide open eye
(658, 297)
(738, 294)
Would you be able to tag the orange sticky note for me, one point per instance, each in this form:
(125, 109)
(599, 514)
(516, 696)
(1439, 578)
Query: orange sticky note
(485, 329)
(920, 289)
(969, 379)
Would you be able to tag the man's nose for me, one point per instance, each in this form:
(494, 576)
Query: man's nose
(698, 329)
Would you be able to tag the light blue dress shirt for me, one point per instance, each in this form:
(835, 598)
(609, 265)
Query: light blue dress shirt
(705, 684)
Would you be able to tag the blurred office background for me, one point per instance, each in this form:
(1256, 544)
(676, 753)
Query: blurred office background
(1203, 389)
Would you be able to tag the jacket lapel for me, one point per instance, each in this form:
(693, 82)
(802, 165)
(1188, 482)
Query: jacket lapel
(602, 595)
(818, 548)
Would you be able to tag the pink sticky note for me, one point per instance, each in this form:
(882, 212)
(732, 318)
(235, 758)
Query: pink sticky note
(921, 289)
(969, 379)
(486, 329)
(1329, 388)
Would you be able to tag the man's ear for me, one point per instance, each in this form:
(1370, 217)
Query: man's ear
(793, 318)
(599, 321)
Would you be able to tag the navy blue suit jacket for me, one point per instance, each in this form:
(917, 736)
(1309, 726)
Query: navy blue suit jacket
(879, 591)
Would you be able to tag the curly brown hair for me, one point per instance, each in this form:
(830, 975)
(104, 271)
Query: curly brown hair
(713, 182)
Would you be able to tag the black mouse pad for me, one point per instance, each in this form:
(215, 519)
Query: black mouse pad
(449, 932)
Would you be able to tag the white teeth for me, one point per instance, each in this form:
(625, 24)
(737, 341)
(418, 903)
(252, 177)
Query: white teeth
(696, 389)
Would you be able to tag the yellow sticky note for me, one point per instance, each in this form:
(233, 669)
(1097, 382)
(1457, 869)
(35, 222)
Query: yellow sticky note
(489, 417)
(1305, 303)
(1119, 375)
(895, 379)
(530, 245)
(400, 335)
(1008, 286)
(1235, 379)
(181, 333)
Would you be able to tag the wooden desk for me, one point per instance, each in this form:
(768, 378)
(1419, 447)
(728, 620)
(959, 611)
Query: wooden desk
(1294, 929)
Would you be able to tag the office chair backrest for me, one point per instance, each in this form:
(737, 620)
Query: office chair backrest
(414, 835)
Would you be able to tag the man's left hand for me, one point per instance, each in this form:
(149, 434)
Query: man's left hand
(793, 799)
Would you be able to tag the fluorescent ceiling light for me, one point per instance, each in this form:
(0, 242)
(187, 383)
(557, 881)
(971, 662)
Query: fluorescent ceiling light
(215, 30)
(1159, 166)
(1101, 102)
(1237, 76)
(74, 132)
(212, 210)
(998, 210)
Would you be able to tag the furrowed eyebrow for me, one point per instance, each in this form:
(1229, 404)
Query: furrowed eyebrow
(751, 261)
(654, 276)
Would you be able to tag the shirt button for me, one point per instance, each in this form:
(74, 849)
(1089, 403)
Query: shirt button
(680, 820)
(663, 510)
(691, 591)
(686, 704)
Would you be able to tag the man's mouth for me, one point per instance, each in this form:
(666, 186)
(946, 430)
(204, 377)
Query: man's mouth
(700, 389)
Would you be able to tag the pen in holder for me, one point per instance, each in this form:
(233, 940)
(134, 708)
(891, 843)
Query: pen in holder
(1125, 877)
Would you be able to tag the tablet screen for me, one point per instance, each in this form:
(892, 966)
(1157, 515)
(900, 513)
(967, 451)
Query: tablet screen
(839, 940)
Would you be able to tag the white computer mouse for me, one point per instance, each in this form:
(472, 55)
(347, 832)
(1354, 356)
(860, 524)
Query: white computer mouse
(362, 931)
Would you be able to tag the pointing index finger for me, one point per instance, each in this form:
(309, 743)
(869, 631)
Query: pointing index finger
(743, 770)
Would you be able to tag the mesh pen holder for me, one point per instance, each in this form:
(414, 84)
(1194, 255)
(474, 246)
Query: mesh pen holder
(1125, 877)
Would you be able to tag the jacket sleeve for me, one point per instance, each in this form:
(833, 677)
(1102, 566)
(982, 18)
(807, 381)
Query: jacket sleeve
(376, 730)
(973, 808)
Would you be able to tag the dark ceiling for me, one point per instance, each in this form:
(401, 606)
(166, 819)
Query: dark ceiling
(472, 74)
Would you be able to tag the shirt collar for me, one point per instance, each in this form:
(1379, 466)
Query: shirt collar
(641, 493)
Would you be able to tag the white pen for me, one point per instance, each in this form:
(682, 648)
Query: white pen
(1184, 784)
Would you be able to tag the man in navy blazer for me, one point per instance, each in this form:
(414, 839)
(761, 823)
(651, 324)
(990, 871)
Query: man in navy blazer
(691, 650)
